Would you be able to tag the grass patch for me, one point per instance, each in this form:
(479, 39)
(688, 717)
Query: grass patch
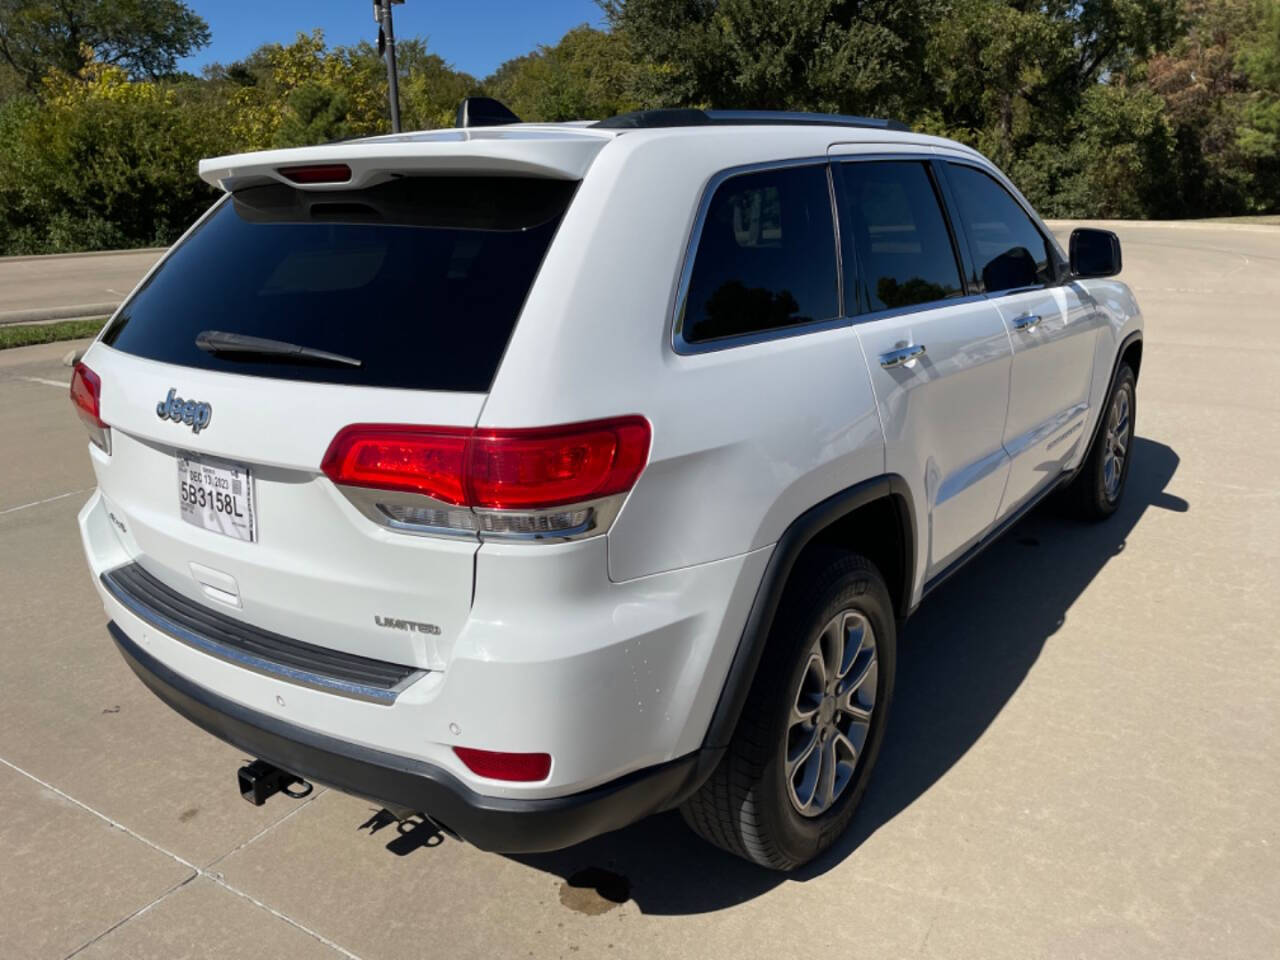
(24, 335)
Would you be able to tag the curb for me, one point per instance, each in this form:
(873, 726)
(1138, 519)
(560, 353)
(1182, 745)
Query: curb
(41, 314)
(23, 258)
(1118, 225)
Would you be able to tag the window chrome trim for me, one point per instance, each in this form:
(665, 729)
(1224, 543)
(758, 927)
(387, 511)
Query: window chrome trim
(890, 312)
(848, 317)
(683, 347)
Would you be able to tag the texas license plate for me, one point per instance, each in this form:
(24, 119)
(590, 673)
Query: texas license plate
(217, 495)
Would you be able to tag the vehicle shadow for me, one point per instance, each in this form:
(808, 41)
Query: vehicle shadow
(962, 656)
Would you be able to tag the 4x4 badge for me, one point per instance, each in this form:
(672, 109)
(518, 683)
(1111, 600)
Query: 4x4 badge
(194, 414)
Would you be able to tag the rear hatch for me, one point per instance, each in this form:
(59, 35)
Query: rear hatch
(403, 292)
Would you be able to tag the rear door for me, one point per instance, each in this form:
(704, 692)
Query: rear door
(939, 357)
(1053, 331)
(404, 296)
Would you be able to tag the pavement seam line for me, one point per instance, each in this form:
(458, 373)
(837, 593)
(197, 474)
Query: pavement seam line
(36, 503)
(197, 871)
(319, 791)
(136, 913)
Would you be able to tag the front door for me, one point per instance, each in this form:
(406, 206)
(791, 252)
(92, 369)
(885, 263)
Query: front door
(1052, 329)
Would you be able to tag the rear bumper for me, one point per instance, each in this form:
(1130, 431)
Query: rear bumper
(491, 823)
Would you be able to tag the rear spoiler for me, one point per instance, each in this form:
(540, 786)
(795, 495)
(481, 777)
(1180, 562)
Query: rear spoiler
(556, 153)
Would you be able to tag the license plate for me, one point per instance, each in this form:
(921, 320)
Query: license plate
(217, 495)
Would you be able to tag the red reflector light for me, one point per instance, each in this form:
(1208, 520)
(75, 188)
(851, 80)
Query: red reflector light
(523, 767)
(524, 469)
(317, 173)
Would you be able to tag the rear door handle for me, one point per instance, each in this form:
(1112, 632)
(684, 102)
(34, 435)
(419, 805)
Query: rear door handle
(896, 358)
(1027, 322)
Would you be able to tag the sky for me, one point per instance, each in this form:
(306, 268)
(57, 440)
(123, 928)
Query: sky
(473, 35)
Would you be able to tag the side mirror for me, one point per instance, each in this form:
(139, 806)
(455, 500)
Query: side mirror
(1094, 253)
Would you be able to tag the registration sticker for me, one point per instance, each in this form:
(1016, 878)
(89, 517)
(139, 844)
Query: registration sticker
(217, 495)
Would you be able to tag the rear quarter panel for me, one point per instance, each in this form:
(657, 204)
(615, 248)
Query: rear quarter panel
(744, 439)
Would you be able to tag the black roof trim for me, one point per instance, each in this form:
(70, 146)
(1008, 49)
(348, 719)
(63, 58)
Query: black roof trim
(650, 119)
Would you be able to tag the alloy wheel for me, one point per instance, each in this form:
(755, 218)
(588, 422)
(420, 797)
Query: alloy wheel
(831, 713)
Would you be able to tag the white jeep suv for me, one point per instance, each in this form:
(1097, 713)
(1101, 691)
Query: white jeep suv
(539, 477)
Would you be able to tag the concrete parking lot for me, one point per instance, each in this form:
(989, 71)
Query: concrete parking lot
(1084, 758)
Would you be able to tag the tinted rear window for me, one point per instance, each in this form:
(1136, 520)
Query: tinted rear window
(899, 237)
(766, 257)
(420, 279)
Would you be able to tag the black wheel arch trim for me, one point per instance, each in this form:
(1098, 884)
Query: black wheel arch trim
(794, 539)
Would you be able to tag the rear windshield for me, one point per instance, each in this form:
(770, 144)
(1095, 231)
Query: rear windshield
(419, 279)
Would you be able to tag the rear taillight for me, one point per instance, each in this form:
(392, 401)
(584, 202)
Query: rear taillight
(521, 767)
(86, 397)
(529, 483)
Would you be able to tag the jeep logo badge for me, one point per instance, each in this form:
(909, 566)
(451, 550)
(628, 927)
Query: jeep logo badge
(194, 414)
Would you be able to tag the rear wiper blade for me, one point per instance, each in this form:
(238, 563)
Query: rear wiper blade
(221, 343)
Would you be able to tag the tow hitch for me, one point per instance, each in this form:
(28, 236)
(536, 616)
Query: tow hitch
(260, 780)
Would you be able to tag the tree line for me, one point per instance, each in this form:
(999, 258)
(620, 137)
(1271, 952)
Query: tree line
(1096, 108)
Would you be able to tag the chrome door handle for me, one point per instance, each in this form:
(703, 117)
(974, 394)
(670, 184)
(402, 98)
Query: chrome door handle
(1027, 322)
(896, 358)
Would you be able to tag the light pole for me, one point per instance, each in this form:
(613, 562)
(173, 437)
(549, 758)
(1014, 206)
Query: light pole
(387, 49)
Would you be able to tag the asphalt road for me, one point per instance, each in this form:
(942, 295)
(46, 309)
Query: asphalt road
(1084, 759)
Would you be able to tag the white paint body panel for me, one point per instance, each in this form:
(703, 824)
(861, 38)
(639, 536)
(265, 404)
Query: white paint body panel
(944, 417)
(611, 652)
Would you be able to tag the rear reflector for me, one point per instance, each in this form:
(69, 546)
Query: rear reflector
(522, 767)
(521, 469)
(317, 173)
(86, 397)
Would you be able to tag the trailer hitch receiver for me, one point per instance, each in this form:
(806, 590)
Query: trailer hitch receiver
(260, 780)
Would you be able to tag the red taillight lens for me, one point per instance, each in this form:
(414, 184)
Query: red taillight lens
(86, 397)
(426, 460)
(317, 173)
(532, 469)
(526, 469)
(523, 767)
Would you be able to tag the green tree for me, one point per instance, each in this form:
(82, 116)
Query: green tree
(1221, 83)
(102, 161)
(850, 56)
(589, 74)
(306, 92)
(430, 87)
(144, 37)
(1014, 73)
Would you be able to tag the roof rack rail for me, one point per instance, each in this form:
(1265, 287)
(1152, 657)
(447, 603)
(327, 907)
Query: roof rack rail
(685, 117)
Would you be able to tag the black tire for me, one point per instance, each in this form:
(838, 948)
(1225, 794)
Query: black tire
(1089, 496)
(746, 806)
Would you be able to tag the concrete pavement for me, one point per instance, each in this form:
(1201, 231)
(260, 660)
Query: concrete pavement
(1083, 760)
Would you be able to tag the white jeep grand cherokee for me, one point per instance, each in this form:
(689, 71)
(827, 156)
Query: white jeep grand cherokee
(542, 477)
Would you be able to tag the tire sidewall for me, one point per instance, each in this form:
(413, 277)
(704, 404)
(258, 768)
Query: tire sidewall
(801, 838)
(1104, 505)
